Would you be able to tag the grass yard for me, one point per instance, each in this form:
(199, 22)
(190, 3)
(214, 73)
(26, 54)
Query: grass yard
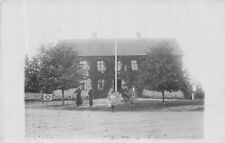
(148, 119)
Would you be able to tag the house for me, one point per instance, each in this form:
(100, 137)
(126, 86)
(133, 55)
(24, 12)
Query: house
(97, 60)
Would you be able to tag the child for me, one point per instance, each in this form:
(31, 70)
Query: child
(112, 99)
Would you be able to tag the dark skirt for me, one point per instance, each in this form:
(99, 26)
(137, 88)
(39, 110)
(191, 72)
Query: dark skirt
(78, 100)
(90, 102)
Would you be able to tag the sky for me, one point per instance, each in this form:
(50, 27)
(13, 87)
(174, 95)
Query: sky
(196, 25)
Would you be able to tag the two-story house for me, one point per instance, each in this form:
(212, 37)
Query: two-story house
(97, 59)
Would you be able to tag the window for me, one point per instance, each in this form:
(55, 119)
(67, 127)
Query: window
(119, 66)
(134, 65)
(85, 67)
(125, 68)
(83, 84)
(100, 84)
(101, 66)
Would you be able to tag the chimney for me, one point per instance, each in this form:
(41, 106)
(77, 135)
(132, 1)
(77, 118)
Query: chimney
(138, 35)
(94, 35)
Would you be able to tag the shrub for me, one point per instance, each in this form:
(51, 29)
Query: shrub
(199, 93)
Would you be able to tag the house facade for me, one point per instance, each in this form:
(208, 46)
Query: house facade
(97, 61)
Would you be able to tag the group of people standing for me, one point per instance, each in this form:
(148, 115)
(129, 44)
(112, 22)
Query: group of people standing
(128, 96)
(79, 100)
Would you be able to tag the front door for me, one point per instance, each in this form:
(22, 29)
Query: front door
(119, 85)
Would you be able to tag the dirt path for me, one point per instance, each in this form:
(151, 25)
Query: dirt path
(43, 123)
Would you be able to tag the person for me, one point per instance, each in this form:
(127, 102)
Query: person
(90, 97)
(133, 95)
(78, 96)
(112, 98)
(125, 93)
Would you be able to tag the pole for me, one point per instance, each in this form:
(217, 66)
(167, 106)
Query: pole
(115, 65)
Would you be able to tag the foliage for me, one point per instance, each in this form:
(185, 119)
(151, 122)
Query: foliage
(161, 71)
(186, 87)
(199, 93)
(31, 75)
(59, 68)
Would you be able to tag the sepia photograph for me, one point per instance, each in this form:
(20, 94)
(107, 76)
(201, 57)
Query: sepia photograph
(103, 70)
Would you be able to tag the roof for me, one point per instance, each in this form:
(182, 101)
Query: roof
(125, 47)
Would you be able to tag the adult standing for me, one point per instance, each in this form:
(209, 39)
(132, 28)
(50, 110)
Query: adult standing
(133, 98)
(125, 93)
(90, 97)
(78, 96)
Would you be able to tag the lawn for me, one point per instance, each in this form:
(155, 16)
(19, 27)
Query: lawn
(143, 104)
(147, 119)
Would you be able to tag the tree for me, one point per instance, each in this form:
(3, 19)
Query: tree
(31, 74)
(186, 86)
(161, 71)
(59, 68)
(199, 93)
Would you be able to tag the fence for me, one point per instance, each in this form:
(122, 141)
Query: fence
(33, 96)
(56, 95)
(158, 95)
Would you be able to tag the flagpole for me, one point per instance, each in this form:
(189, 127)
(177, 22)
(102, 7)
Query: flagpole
(115, 65)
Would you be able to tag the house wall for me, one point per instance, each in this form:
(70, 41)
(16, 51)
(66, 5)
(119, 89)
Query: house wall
(127, 75)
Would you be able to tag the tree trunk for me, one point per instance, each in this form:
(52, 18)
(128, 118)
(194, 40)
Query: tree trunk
(163, 96)
(42, 97)
(63, 102)
(139, 92)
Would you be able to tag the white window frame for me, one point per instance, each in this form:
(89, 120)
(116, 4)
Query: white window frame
(101, 66)
(119, 65)
(85, 67)
(125, 67)
(101, 84)
(134, 65)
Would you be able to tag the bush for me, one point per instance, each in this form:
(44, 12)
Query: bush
(199, 93)
(187, 93)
